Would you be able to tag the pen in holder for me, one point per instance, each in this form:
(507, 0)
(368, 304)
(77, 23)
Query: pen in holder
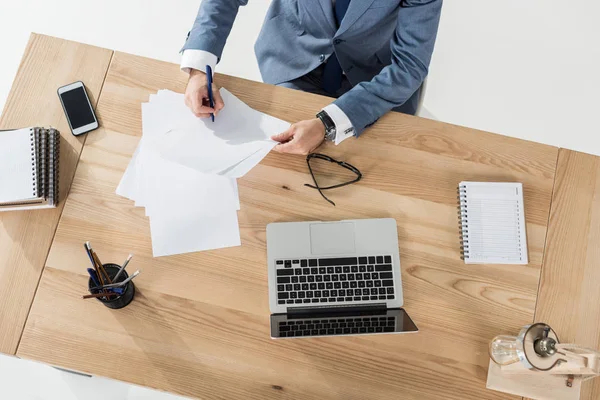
(114, 299)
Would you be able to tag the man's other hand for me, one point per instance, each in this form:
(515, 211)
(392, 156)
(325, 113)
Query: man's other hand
(301, 138)
(196, 95)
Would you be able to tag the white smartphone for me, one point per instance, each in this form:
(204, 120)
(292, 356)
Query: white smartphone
(77, 106)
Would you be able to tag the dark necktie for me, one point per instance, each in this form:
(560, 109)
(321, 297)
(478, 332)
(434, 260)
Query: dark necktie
(333, 73)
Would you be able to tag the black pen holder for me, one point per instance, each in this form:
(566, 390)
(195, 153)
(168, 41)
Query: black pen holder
(119, 300)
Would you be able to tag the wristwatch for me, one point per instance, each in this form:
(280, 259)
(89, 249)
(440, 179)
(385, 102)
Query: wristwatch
(330, 131)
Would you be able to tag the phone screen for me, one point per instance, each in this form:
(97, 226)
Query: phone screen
(78, 108)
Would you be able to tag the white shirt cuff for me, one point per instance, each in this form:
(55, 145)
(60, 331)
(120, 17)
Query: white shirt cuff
(197, 59)
(343, 126)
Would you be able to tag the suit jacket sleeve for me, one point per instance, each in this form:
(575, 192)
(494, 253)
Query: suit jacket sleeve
(213, 25)
(412, 46)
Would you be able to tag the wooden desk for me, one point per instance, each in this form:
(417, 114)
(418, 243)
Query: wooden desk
(569, 297)
(25, 237)
(199, 325)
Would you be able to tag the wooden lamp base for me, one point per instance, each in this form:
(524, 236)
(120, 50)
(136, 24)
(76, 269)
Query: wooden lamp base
(532, 384)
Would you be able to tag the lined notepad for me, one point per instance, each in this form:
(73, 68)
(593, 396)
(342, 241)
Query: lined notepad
(492, 223)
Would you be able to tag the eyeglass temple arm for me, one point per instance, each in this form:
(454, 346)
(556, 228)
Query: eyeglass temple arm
(334, 186)
(317, 185)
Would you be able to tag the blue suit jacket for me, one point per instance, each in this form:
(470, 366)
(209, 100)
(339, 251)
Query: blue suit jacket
(384, 46)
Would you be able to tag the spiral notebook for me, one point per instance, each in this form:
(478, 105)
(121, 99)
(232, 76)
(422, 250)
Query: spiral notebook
(492, 223)
(29, 160)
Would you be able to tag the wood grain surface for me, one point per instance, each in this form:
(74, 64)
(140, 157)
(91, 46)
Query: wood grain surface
(569, 297)
(25, 236)
(199, 325)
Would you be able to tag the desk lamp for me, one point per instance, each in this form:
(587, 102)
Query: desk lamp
(535, 362)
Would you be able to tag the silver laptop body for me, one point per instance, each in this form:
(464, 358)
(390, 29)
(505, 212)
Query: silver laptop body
(335, 278)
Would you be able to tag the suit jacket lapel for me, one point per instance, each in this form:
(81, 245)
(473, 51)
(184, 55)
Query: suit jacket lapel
(355, 10)
(327, 6)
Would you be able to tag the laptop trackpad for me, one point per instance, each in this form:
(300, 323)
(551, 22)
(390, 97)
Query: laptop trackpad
(335, 238)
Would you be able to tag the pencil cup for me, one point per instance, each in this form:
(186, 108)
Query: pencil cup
(118, 301)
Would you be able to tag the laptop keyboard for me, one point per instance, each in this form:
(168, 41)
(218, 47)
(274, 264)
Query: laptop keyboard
(336, 326)
(334, 280)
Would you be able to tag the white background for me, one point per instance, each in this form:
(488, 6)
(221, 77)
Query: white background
(529, 69)
(28, 380)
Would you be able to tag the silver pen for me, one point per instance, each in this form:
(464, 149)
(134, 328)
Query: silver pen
(119, 284)
(122, 268)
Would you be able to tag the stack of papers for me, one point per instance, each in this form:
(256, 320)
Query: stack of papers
(184, 170)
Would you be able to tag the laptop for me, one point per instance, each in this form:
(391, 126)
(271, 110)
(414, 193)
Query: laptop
(335, 278)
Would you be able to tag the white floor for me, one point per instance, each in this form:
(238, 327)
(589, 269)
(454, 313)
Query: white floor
(523, 69)
(27, 380)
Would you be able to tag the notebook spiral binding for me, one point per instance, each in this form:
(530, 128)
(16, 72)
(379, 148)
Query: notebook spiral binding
(463, 219)
(54, 149)
(519, 230)
(43, 176)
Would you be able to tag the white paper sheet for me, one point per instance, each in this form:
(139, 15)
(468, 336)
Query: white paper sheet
(167, 109)
(236, 193)
(177, 186)
(128, 180)
(177, 231)
(213, 147)
(131, 184)
(242, 168)
(157, 117)
(184, 170)
(189, 211)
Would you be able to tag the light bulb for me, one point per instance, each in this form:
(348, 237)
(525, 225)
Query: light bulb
(503, 350)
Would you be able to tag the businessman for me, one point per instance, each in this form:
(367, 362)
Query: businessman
(372, 56)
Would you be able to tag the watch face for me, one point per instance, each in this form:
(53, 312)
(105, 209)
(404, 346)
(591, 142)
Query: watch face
(330, 135)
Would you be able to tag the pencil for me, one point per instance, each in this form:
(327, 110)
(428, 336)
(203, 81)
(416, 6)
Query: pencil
(88, 249)
(97, 258)
(96, 295)
(101, 266)
(98, 266)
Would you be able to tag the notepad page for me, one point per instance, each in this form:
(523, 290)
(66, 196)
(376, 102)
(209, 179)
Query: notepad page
(17, 163)
(493, 223)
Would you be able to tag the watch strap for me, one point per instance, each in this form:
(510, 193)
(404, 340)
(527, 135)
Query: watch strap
(330, 129)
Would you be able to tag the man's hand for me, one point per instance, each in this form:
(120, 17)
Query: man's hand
(302, 137)
(196, 95)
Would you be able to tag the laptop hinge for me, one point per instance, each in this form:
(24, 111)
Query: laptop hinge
(341, 309)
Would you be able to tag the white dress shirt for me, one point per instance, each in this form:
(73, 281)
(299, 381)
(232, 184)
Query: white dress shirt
(199, 59)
